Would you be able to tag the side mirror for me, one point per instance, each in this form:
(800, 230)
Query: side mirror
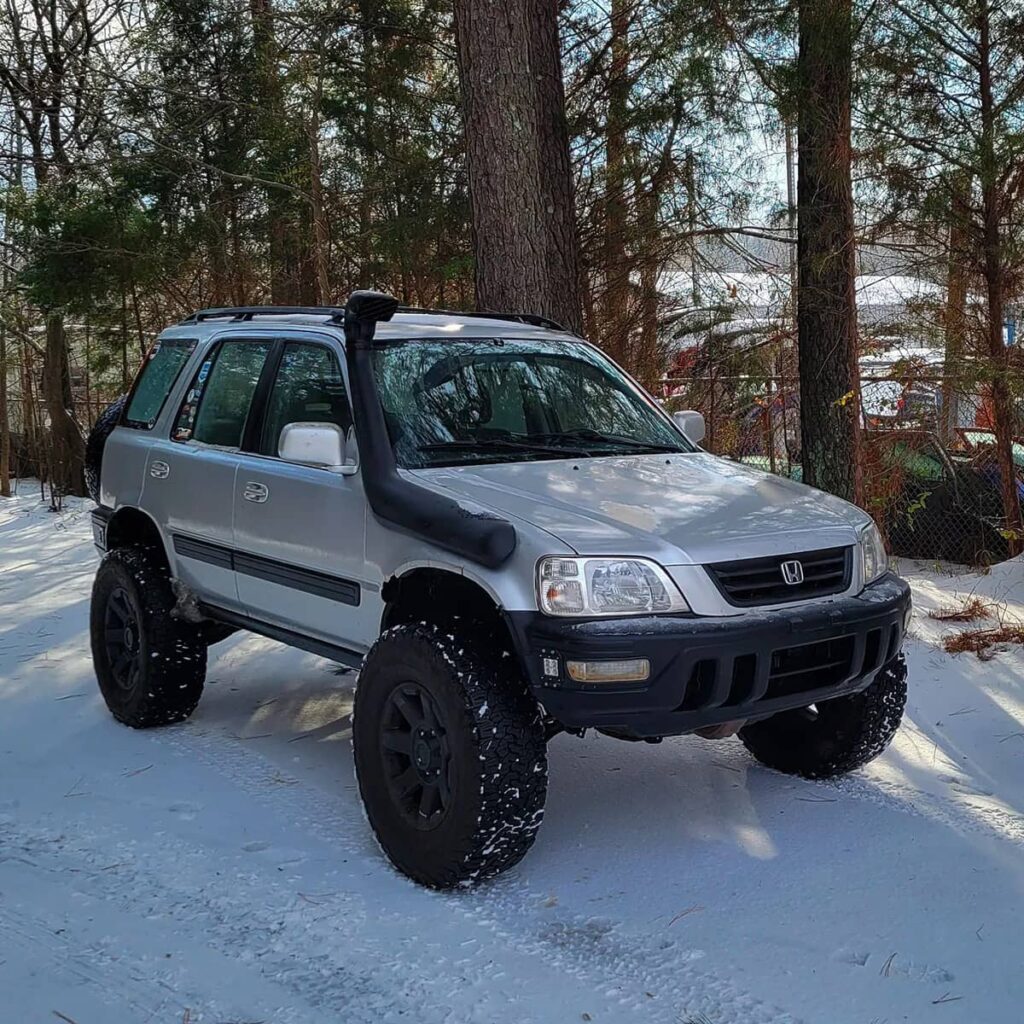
(691, 424)
(316, 444)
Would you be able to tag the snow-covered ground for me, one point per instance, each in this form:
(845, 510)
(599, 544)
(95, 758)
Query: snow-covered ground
(221, 871)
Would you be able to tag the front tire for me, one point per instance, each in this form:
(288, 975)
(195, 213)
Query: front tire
(837, 735)
(150, 666)
(450, 756)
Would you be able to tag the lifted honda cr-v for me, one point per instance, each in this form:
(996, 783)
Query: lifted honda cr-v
(504, 534)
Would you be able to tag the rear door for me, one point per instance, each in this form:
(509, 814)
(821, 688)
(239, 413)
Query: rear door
(299, 530)
(190, 477)
(126, 452)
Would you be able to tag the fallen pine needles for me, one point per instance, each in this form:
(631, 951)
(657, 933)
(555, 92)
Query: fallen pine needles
(969, 611)
(982, 641)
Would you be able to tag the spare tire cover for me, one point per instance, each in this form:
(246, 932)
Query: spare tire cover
(105, 423)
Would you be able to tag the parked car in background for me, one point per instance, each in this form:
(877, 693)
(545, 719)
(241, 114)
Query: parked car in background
(938, 501)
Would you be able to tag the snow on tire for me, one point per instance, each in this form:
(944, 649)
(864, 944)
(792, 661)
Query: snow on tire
(150, 666)
(450, 756)
(836, 736)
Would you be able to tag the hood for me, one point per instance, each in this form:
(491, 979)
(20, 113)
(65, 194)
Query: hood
(680, 509)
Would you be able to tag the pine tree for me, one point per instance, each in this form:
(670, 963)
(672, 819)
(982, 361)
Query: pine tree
(517, 153)
(826, 310)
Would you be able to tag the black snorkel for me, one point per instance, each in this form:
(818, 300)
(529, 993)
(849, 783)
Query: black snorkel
(477, 536)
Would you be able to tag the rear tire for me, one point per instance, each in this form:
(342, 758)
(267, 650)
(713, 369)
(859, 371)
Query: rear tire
(839, 735)
(150, 666)
(450, 756)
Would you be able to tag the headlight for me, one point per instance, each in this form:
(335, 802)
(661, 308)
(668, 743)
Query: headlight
(872, 549)
(606, 586)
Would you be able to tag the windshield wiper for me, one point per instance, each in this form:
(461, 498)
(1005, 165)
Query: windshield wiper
(499, 444)
(619, 440)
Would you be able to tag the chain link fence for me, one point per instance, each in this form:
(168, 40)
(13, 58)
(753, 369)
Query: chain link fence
(931, 477)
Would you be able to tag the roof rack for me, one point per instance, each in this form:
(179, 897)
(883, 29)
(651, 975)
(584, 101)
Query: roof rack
(245, 313)
(336, 314)
(533, 319)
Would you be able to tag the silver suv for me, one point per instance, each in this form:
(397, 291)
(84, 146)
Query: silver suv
(507, 537)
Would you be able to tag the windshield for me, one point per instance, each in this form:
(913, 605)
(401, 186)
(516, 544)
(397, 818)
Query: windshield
(450, 403)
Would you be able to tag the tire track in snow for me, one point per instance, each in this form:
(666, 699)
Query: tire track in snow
(317, 953)
(611, 964)
(35, 937)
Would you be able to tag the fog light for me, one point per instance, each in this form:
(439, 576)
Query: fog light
(632, 671)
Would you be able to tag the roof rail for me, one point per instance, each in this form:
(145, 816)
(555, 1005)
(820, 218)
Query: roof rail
(336, 314)
(245, 313)
(534, 319)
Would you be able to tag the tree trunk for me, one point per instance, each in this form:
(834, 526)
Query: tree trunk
(284, 233)
(559, 193)
(5, 423)
(647, 357)
(316, 195)
(995, 285)
(125, 376)
(66, 443)
(615, 311)
(521, 189)
(367, 269)
(791, 220)
(955, 326)
(826, 315)
(691, 220)
(651, 255)
(220, 264)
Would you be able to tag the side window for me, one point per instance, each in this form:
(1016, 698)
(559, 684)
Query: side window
(217, 404)
(309, 389)
(156, 378)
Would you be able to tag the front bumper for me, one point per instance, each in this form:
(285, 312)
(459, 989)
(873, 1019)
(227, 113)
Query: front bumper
(709, 670)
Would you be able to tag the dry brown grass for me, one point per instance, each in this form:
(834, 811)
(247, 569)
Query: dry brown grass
(970, 611)
(983, 641)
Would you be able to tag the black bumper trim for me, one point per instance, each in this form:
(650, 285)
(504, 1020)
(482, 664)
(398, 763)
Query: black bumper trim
(704, 670)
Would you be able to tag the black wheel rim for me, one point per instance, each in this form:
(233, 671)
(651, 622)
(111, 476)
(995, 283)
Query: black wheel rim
(122, 638)
(417, 762)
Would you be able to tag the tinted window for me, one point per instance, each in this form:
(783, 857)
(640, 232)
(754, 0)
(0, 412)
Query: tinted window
(454, 402)
(157, 377)
(217, 404)
(308, 389)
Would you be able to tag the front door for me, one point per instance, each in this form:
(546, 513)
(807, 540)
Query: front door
(299, 530)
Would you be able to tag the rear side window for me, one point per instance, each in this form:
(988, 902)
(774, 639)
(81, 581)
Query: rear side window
(157, 377)
(217, 404)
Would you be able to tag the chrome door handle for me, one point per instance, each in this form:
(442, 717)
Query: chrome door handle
(256, 492)
(159, 469)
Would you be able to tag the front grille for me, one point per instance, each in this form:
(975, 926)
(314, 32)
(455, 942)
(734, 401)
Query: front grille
(809, 667)
(757, 581)
(749, 678)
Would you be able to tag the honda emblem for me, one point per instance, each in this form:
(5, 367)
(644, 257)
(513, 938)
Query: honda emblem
(792, 572)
